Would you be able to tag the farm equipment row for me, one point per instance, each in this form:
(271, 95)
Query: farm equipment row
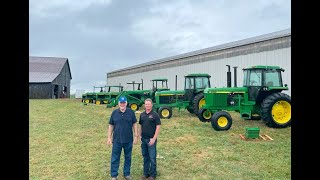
(261, 97)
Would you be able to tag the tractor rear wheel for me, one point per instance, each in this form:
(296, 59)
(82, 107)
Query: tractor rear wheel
(165, 112)
(190, 110)
(198, 101)
(98, 102)
(276, 110)
(204, 115)
(87, 101)
(134, 106)
(221, 121)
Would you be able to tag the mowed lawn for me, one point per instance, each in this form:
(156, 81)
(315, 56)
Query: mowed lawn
(67, 140)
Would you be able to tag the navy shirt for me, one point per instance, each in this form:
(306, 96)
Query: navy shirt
(149, 124)
(122, 125)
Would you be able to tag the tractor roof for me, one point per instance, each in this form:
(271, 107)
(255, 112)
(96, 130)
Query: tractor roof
(114, 86)
(198, 75)
(160, 79)
(263, 67)
(134, 82)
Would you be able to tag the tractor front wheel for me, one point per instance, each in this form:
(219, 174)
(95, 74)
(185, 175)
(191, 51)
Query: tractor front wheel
(204, 115)
(221, 121)
(134, 106)
(276, 110)
(98, 102)
(165, 112)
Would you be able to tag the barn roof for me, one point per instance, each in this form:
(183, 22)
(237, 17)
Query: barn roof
(45, 69)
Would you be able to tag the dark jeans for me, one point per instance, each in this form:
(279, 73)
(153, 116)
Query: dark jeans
(115, 158)
(149, 154)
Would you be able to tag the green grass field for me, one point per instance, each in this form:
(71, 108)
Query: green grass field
(67, 140)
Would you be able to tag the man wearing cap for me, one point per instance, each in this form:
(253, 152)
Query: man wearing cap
(121, 123)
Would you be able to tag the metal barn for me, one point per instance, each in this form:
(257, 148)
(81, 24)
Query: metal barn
(49, 77)
(268, 49)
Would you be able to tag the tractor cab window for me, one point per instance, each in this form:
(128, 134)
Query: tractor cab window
(189, 83)
(273, 78)
(252, 77)
(202, 82)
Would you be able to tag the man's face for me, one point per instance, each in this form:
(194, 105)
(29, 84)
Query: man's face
(148, 105)
(122, 105)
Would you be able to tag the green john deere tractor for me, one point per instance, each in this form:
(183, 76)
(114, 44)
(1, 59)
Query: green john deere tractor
(136, 98)
(105, 97)
(260, 97)
(191, 98)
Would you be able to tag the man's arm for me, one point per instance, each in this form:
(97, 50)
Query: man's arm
(110, 131)
(135, 129)
(152, 140)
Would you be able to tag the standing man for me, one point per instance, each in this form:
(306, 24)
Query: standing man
(121, 122)
(150, 127)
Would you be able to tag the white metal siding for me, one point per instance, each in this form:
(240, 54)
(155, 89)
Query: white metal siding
(216, 68)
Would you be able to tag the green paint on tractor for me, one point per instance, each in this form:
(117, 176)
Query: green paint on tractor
(191, 98)
(260, 97)
(136, 98)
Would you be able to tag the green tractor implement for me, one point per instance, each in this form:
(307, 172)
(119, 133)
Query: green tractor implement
(106, 97)
(191, 98)
(260, 97)
(136, 98)
(90, 97)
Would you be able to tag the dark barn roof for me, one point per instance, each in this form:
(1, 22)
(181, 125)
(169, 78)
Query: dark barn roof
(45, 69)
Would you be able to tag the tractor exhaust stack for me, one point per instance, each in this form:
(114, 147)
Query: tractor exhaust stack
(142, 84)
(228, 77)
(176, 81)
(235, 76)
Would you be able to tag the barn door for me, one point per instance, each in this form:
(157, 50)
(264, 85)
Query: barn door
(55, 91)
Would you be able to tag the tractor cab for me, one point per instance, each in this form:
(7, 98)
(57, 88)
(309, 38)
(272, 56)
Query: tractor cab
(160, 84)
(102, 88)
(195, 83)
(118, 88)
(262, 81)
(136, 85)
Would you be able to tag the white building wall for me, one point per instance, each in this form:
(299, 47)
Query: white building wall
(216, 68)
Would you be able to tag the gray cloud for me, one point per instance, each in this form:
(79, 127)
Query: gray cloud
(100, 36)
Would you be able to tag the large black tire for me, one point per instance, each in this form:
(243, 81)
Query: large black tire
(197, 100)
(276, 110)
(204, 115)
(165, 112)
(190, 110)
(134, 106)
(221, 121)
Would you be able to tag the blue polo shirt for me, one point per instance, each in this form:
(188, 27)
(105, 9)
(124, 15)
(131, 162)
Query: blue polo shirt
(122, 125)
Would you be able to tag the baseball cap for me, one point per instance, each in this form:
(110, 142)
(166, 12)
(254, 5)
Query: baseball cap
(122, 99)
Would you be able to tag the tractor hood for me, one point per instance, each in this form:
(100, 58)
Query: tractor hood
(226, 90)
(169, 93)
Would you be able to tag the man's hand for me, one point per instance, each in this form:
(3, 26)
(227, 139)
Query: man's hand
(109, 142)
(135, 139)
(151, 141)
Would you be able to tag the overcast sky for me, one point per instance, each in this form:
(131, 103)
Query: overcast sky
(100, 36)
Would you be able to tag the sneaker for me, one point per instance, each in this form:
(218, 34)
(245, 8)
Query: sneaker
(128, 178)
(151, 178)
(144, 177)
(114, 178)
